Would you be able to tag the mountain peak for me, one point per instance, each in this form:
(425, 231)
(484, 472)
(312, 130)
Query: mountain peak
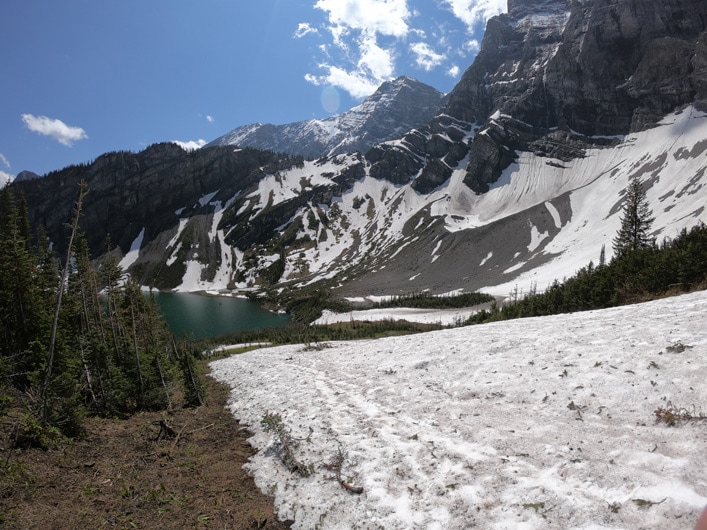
(26, 175)
(397, 106)
(519, 179)
(400, 81)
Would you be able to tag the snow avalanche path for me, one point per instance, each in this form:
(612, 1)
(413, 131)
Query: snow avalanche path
(528, 424)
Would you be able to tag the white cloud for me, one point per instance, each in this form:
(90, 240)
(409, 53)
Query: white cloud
(473, 12)
(210, 118)
(373, 66)
(418, 32)
(191, 145)
(4, 160)
(365, 39)
(375, 60)
(304, 28)
(355, 83)
(5, 178)
(57, 129)
(387, 17)
(426, 57)
(356, 61)
(472, 46)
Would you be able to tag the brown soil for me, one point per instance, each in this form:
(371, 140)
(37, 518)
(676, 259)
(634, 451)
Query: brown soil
(121, 476)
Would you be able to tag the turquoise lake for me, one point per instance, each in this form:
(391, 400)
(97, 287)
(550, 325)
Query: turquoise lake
(201, 316)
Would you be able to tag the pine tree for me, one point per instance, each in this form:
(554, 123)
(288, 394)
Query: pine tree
(636, 221)
(57, 310)
(602, 256)
(22, 310)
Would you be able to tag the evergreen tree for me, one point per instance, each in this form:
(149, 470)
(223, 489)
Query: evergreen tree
(76, 340)
(602, 256)
(636, 221)
(57, 309)
(194, 386)
(22, 310)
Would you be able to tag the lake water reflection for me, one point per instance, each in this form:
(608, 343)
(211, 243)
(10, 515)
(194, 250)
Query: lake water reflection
(201, 316)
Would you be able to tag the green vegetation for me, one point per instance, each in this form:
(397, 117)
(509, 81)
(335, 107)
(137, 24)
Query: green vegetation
(76, 340)
(299, 333)
(645, 272)
(428, 301)
(636, 221)
(306, 305)
(272, 422)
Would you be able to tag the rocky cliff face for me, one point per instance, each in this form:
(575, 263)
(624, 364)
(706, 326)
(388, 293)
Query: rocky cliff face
(396, 107)
(151, 190)
(560, 73)
(597, 67)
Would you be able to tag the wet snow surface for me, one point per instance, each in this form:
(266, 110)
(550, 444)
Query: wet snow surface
(528, 424)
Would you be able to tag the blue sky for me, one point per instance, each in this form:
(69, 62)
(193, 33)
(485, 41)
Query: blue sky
(83, 77)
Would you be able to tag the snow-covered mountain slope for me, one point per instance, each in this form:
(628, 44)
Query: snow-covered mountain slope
(396, 107)
(548, 423)
(293, 221)
(544, 219)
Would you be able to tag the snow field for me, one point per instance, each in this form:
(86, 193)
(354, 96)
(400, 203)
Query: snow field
(542, 423)
(444, 317)
(134, 252)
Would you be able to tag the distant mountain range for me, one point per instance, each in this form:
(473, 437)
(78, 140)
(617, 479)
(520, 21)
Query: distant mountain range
(395, 108)
(513, 179)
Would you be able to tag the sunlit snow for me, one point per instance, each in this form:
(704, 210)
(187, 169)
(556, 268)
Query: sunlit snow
(540, 423)
(134, 252)
(444, 317)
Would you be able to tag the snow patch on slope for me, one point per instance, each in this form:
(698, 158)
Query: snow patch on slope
(554, 213)
(134, 252)
(536, 238)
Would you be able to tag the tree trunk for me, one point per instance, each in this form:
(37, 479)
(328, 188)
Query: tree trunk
(57, 308)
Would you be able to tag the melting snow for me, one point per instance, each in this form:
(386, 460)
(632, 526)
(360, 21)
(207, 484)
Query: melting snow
(444, 317)
(435, 256)
(555, 214)
(540, 423)
(206, 199)
(134, 252)
(536, 237)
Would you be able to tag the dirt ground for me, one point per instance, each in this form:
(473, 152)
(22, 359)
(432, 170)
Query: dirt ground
(125, 474)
